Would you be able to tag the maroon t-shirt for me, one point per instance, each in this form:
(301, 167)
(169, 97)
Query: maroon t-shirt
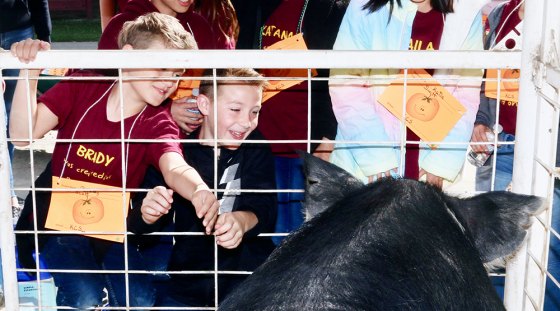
(284, 116)
(508, 21)
(191, 21)
(426, 35)
(122, 5)
(101, 162)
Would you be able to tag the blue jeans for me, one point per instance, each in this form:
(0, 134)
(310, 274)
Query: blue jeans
(552, 293)
(504, 167)
(6, 41)
(84, 290)
(289, 175)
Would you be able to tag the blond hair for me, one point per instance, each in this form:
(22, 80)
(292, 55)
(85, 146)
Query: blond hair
(251, 75)
(144, 30)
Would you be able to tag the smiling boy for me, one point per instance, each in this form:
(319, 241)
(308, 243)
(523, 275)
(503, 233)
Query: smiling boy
(229, 121)
(89, 107)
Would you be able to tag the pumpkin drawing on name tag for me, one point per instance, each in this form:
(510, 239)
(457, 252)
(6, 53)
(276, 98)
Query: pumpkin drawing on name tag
(422, 107)
(88, 211)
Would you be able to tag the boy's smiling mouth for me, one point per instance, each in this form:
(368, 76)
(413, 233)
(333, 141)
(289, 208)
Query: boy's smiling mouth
(237, 135)
(185, 2)
(162, 91)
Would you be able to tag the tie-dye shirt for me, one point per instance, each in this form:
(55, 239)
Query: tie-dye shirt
(361, 118)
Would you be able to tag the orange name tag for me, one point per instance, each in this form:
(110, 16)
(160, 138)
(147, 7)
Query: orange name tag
(295, 42)
(55, 72)
(431, 111)
(86, 211)
(509, 78)
(509, 84)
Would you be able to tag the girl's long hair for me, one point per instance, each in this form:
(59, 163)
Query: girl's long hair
(220, 13)
(443, 6)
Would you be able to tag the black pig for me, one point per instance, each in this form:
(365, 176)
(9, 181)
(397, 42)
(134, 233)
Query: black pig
(391, 245)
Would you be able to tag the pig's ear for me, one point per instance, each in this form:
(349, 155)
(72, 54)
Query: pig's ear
(326, 184)
(498, 221)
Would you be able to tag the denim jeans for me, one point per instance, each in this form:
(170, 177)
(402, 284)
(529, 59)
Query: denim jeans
(6, 41)
(82, 289)
(504, 167)
(552, 293)
(289, 175)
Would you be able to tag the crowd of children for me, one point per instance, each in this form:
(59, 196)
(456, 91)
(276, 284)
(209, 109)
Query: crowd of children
(208, 229)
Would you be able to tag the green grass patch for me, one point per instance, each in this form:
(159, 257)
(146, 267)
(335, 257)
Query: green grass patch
(75, 30)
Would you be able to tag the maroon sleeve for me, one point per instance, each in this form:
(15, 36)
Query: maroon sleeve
(164, 128)
(59, 99)
(109, 37)
(69, 95)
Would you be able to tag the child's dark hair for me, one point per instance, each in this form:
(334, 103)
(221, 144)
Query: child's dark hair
(144, 30)
(443, 6)
(220, 13)
(251, 75)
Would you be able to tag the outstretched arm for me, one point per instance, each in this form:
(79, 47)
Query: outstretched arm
(38, 118)
(185, 180)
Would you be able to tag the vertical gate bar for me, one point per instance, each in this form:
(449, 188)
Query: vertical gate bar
(524, 158)
(7, 240)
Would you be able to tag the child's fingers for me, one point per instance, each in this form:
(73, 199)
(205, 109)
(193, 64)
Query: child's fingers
(162, 193)
(202, 201)
(211, 217)
(230, 241)
(157, 201)
(206, 206)
(223, 228)
(220, 221)
(154, 208)
(224, 238)
(151, 211)
(149, 214)
(27, 50)
(186, 120)
(45, 46)
(17, 49)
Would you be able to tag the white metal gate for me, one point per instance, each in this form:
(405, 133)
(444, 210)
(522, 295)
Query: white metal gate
(537, 130)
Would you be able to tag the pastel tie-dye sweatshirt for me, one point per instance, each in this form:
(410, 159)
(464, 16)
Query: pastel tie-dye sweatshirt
(361, 118)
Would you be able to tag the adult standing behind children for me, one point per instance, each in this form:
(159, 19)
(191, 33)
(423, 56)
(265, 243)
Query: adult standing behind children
(19, 20)
(243, 215)
(386, 25)
(74, 108)
(285, 116)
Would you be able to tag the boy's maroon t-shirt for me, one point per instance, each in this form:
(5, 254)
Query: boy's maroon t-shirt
(284, 116)
(508, 21)
(101, 162)
(426, 35)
